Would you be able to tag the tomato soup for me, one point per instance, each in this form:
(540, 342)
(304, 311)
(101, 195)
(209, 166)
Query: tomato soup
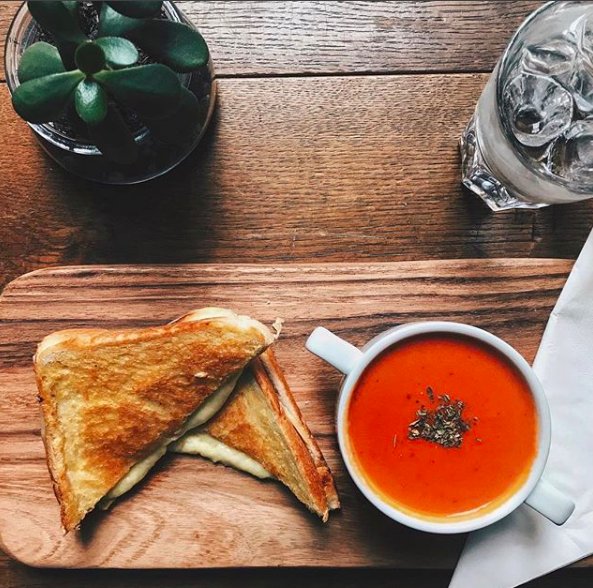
(480, 467)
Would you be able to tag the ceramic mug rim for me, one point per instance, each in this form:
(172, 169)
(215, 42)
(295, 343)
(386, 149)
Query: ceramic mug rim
(388, 338)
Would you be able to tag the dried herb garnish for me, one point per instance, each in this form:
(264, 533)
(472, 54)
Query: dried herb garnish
(443, 425)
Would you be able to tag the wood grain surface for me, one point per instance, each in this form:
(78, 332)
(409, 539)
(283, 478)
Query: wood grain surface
(260, 181)
(263, 37)
(295, 169)
(191, 513)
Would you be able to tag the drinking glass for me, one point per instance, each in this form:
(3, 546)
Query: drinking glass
(530, 141)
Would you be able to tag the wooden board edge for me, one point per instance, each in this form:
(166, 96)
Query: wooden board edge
(16, 282)
(14, 556)
(74, 270)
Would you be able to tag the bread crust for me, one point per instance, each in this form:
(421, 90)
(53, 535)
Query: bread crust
(280, 386)
(314, 485)
(110, 398)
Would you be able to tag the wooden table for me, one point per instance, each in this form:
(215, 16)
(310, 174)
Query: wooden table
(335, 139)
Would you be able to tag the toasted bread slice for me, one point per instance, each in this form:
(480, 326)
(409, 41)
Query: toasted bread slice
(112, 400)
(261, 430)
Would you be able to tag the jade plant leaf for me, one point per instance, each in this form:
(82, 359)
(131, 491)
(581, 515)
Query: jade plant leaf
(152, 90)
(183, 124)
(58, 19)
(91, 101)
(175, 44)
(67, 51)
(72, 6)
(114, 24)
(114, 139)
(118, 52)
(38, 60)
(137, 9)
(44, 99)
(89, 57)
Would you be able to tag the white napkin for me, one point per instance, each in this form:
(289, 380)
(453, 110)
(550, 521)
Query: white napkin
(525, 545)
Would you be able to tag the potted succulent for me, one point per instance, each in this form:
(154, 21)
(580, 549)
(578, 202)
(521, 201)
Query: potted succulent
(117, 92)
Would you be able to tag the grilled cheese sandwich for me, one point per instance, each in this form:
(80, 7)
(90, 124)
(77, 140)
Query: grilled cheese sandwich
(113, 400)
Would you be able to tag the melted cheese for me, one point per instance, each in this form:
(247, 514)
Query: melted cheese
(134, 476)
(216, 451)
(212, 404)
(204, 413)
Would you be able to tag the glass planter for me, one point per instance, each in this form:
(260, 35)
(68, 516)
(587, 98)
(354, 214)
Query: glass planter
(75, 153)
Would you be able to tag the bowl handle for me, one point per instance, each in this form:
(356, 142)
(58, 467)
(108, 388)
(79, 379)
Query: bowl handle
(550, 502)
(337, 352)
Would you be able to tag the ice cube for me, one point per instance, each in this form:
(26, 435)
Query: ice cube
(581, 79)
(554, 59)
(537, 108)
(575, 28)
(581, 86)
(571, 156)
(586, 38)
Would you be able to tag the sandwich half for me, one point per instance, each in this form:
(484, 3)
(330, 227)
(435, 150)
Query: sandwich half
(113, 400)
(260, 430)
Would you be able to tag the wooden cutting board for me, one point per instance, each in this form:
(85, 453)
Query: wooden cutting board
(190, 513)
